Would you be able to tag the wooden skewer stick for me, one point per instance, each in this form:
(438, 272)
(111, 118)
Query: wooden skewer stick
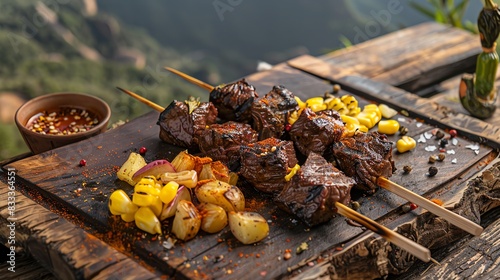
(143, 100)
(432, 207)
(191, 79)
(397, 239)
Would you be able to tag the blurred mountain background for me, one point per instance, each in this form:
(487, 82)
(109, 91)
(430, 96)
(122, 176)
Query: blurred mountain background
(92, 46)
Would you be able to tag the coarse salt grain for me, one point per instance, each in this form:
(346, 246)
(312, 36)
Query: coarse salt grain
(169, 243)
(450, 152)
(430, 148)
(454, 161)
(454, 141)
(421, 139)
(473, 147)
(419, 124)
(428, 135)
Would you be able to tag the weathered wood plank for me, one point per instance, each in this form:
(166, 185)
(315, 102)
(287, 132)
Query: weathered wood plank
(417, 107)
(26, 268)
(84, 190)
(412, 58)
(61, 247)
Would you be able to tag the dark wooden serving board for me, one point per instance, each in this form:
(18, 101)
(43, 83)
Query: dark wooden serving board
(84, 192)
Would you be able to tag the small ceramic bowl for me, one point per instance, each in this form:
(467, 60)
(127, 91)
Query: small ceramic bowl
(38, 142)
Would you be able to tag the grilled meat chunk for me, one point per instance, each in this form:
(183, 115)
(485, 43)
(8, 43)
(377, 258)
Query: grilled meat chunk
(181, 124)
(270, 113)
(266, 163)
(234, 101)
(365, 157)
(312, 193)
(315, 132)
(222, 142)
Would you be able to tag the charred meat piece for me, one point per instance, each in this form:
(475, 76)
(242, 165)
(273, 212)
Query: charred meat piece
(234, 101)
(365, 157)
(270, 113)
(222, 141)
(266, 163)
(312, 193)
(181, 123)
(315, 132)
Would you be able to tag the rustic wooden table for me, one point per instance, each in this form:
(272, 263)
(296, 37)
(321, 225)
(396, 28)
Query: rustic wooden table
(61, 220)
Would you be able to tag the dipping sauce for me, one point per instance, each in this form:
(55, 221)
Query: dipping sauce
(62, 121)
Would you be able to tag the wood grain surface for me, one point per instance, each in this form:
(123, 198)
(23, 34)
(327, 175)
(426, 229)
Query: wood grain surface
(413, 58)
(84, 192)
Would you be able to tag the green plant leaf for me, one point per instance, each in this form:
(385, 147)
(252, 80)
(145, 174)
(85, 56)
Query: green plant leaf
(422, 9)
(457, 13)
(345, 41)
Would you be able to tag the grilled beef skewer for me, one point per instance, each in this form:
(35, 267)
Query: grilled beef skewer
(315, 132)
(266, 163)
(181, 123)
(234, 101)
(270, 113)
(239, 101)
(313, 192)
(365, 157)
(223, 141)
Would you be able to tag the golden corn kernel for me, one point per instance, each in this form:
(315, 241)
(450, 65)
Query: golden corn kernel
(349, 120)
(293, 117)
(146, 220)
(368, 119)
(349, 101)
(318, 107)
(406, 143)
(313, 101)
(128, 217)
(373, 108)
(120, 203)
(388, 127)
(168, 192)
(354, 112)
